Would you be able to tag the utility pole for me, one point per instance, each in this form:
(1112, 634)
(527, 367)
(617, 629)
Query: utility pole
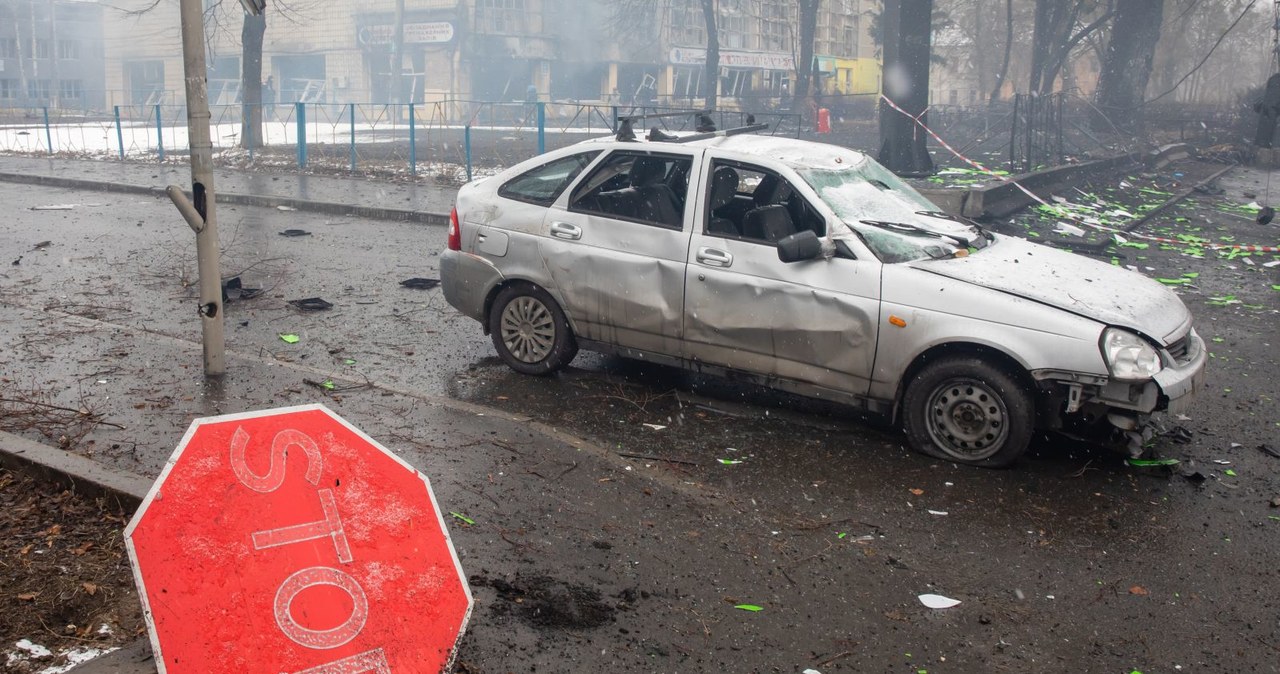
(200, 215)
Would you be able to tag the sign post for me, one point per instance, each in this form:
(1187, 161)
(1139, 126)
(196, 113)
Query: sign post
(288, 541)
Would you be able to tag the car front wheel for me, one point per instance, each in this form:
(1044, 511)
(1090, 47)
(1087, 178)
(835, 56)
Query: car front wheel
(968, 411)
(530, 331)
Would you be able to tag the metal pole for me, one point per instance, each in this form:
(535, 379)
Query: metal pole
(466, 141)
(119, 133)
(351, 107)
(302, 133)
(200, 215)
(48, 135)
(413, 141)
(542, 127)
(1013, 134)
(159, 133)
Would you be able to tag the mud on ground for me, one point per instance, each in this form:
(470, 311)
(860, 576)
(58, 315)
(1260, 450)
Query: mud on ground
(65, 575)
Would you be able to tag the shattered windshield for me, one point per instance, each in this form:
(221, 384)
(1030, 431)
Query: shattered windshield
(898, 223)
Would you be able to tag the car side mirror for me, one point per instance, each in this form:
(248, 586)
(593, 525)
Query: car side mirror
(803, 245)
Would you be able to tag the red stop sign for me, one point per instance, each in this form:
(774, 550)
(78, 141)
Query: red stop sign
(287, 541)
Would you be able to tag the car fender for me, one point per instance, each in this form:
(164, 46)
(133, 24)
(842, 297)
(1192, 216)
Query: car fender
(922, 311)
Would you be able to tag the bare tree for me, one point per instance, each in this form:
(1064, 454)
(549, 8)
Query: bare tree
(1008, 51)
(804, 66)
(712, 72)
(1126, 67)
(252, 34)
(1057, 31)
(907, 26)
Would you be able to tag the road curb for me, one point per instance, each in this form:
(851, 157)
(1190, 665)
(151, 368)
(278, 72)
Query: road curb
(72, 471)
(263, 201)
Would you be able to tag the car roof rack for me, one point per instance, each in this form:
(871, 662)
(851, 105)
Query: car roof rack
(706, 127)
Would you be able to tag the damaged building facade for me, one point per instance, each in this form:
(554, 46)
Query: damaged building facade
(611, 51)
(51, 54)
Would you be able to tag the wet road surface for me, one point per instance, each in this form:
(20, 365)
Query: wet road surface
(637, 542)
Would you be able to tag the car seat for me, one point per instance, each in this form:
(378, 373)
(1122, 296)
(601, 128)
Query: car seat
(655, 200)
(768, 223)
(724, 185)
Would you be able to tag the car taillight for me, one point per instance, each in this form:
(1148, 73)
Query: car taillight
(455, 233)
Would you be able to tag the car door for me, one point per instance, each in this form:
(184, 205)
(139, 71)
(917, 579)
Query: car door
(615, 249)
(813, 321)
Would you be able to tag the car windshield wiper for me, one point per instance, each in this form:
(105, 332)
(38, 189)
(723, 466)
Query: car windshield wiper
(964, 221)
(916, 230)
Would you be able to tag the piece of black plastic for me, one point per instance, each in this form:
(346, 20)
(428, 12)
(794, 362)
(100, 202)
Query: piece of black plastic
(295, 232)
(311, 304)
(420, 283)
(1266, 215)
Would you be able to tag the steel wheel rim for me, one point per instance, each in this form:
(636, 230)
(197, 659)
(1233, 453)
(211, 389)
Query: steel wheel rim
(967, 419)
(528, 329)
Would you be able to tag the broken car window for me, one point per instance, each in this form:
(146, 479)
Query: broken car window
(756, 204)
(866, 196)
(645, 188)
(542, 185)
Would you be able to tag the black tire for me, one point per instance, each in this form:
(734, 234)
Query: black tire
(530, 331)
(966, 410)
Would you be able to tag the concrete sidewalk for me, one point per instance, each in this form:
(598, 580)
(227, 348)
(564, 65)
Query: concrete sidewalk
(356, 196)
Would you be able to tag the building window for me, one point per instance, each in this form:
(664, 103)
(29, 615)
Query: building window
(503, 17)
(44, 49)
(776, 28)
(735, 82)
(38, 89)
(8, 90)
(688, 81)
(71, 90)
(69, 50)
(8, 48)
(688, 26)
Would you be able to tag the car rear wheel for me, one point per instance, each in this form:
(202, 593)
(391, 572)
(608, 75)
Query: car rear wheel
(530, 331)
(968, 411)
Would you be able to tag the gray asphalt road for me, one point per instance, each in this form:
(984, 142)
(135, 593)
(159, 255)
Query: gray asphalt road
(1071, 562)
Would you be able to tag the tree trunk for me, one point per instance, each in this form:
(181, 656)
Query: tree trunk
(907, 28)
(1054, 19)
(711, 75)
(804, 67)
(1126, 68)
(1008, 49)
(251, 34)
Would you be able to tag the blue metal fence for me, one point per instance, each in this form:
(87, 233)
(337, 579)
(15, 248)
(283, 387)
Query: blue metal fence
(346, 136)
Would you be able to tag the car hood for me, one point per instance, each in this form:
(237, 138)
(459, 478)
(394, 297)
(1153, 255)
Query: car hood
(1074, 283)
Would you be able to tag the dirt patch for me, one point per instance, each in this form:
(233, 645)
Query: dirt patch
(545, 602)
(66, 579)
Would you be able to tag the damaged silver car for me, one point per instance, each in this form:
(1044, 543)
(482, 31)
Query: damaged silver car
(810, 268)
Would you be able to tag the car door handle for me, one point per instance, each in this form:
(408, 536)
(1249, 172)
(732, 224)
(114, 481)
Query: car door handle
(714, 257)
(565, 230)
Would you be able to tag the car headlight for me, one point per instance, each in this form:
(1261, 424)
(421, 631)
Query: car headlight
(1129, 356)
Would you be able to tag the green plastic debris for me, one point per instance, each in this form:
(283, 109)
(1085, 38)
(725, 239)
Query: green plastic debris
(841, 534)
(1174, 281)
(1139, 246)
(1229, 472)
(289, 339)
(749, 607)
(729, 462)
(462, 517)
(327, 385)
(1218, 340)
(1276, 288)
(1150, 463)
(1191, 274)
(350, 361)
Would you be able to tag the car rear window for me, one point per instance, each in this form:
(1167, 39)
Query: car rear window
(543, 184)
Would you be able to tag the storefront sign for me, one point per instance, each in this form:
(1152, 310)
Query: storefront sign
(414, 33)
(688, 56)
